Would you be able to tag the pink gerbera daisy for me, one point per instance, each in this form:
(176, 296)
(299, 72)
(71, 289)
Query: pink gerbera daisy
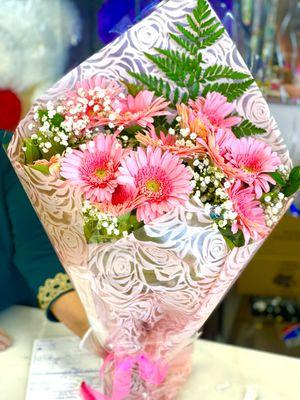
(253, 161)
(214, 111)
(95, 169)
(250, 214)
(161, 178)
(141, 109)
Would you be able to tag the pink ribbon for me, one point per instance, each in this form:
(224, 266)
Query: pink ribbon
(153, 372)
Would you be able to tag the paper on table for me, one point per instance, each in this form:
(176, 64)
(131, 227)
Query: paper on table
(57, 369)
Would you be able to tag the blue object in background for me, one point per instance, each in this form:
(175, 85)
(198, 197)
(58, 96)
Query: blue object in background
(115, 16)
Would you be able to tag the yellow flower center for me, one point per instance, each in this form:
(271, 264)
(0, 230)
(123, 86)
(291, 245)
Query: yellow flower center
(247, 169)
(101, 173)
(153, 185)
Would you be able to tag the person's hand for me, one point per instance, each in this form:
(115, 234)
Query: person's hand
(5, 340)
(69, 310)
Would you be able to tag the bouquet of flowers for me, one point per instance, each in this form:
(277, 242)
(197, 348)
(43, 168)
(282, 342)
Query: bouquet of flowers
(157, 173)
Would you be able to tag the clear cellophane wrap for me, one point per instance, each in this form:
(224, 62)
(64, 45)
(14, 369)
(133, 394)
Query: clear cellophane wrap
(151, 292)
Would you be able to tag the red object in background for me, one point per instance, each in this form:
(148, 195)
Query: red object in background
(10, 110)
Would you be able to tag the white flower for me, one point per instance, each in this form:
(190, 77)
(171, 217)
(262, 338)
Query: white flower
(51, 114)
(222, 224)
(49, 105)
(112, 117)
(218, 210)
(196, 176)
(172, 131)
(60, 109)
(207, 208)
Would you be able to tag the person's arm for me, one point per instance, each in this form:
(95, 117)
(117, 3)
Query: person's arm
(69, 310)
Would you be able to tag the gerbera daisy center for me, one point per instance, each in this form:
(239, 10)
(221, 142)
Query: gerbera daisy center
(101, 173)
(153, 185)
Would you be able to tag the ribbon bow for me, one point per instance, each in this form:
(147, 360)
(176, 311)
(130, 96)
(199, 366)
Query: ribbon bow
(153, 372)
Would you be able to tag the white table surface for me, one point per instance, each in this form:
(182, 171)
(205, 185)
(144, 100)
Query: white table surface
(220, 372)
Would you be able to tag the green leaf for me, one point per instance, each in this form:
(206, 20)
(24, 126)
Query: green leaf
(188, 46)
(216, 72)
(171, 69)
(57, 120)
(233, 239)
(193, 24)
(291, 189)
(211, 39)
(247, 128)
(185, 67)
(156, 85)
(189, 35)
(293, 183)
(132, 88)
(41, 167)
(42, 113)
(230, 90)
(32, 152)
(295, 175)
(278, 178)
(131, 130)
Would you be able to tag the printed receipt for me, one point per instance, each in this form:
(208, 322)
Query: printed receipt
(57, 369)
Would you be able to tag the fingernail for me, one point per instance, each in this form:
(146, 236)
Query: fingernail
(2, 347)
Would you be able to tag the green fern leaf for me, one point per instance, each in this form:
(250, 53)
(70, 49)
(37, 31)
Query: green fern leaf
(170, 68)
(209, 22)
(194, 91)
(230, 90)
(189, 47)
(176, 95)
(216, 72)
(211, 39)
(194, 26)
(154, 84)
(189, 35)
(247, 128)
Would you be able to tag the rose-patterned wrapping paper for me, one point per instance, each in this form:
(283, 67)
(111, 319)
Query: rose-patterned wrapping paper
(153, 290)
